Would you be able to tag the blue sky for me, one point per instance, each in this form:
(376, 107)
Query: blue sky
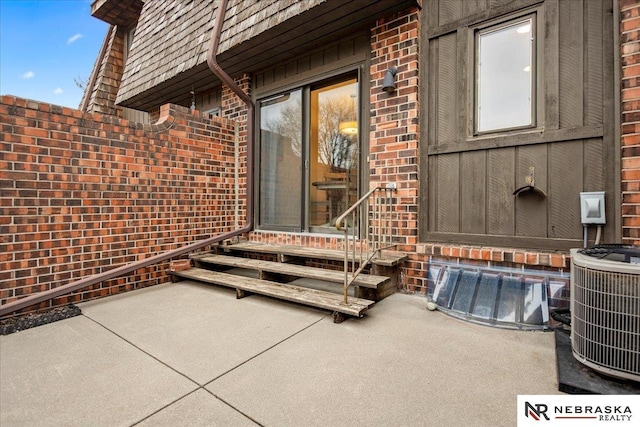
(45, 45)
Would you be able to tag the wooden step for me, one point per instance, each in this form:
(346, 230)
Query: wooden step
(326, 300)
(284, 252)
(364, 280)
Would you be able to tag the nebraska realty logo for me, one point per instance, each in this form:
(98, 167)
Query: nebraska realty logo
(578, 410)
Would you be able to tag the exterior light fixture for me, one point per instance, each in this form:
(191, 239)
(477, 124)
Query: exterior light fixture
(389, 81)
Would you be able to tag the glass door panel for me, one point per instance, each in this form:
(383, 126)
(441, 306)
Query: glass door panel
(333, 152)
(281, 163)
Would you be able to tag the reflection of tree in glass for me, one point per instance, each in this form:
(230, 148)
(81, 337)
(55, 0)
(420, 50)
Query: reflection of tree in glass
(289, 125)
(334, 148)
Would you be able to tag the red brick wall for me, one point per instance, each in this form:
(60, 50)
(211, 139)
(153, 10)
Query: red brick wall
(233, 108)
(84, 193)
(630, 97)
(394, 128)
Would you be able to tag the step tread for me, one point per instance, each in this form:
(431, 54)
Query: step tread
(388, 258)
(365, 280)
(321, 299)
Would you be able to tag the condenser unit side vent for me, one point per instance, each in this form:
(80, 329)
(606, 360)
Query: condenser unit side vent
(605, 315)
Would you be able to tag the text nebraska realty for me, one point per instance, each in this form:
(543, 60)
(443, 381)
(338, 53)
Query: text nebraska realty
(601, 413)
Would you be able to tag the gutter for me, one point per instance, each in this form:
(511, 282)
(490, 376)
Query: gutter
(128, 268)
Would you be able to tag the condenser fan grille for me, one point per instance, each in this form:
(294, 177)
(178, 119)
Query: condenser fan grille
(605, 311)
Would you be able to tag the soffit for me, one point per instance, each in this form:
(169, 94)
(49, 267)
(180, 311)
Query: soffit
(117, 12)
(169, 53)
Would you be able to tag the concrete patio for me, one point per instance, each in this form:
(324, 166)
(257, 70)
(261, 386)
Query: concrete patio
(191, 354)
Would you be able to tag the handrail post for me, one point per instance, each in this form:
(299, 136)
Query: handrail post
(381, 223)
(346, 266)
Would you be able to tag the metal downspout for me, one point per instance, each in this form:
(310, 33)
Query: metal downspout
(227, 80)
(128, 268)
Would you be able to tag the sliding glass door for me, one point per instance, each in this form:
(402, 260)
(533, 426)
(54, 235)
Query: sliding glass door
(309, 156)
(333, 152)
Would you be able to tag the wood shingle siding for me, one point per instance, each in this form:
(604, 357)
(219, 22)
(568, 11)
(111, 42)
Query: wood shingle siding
(168, 55)
(247, 19)
(172, 38)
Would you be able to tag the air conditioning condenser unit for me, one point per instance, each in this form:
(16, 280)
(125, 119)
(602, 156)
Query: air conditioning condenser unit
(605, 309)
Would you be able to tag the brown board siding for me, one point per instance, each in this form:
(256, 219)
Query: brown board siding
(470, 179)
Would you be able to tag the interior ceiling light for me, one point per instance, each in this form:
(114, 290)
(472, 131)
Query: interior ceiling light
(348, 128)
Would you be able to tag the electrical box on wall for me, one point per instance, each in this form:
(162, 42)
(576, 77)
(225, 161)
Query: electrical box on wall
(592, 207)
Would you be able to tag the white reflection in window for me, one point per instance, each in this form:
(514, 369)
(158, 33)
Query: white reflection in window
(504, 73)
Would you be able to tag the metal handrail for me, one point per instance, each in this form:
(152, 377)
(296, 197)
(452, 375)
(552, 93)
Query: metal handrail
(370, 232)
(77, 285)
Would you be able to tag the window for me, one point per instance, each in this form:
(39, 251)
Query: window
(505, 68)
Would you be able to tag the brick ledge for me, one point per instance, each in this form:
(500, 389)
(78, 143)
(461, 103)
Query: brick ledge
(477, 253)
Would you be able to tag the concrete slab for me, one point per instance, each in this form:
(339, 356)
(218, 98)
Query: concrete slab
(199, 408)
(399, 365)
(77, 373)
(201, 331)
(145, 356)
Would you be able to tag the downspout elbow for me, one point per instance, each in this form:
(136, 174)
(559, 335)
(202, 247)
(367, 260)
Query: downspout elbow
(212, 60)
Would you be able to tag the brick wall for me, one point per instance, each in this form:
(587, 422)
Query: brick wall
(84, 193)
(630, 121)
(234, 109)
(394, 128)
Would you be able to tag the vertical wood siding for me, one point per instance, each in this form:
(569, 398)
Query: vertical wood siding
(471, 180)
(447, 89)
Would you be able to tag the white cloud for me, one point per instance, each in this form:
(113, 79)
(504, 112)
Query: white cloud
(58, 91)
(74, 38)
(28, 75)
